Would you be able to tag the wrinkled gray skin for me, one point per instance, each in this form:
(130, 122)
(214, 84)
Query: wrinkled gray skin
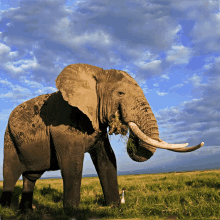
(53, 131)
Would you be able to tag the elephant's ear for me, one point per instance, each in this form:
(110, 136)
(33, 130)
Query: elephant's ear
(77, 83)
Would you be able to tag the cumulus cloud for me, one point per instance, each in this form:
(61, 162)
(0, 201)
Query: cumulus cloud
(148, 64)
(179, 55)
(4, 49)
(18, 94)
(45, 36)
(9, 64)
(152, 66)
(207, 32)
(177, 86)
(88, 32)
(92, 32)
(164, 76)
(196, 80)
(161, 93)
(6, 54)
(197, 119)
(205, 14)
(20, 66)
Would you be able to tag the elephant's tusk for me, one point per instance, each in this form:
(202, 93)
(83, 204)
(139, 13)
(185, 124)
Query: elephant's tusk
(188, 149)
(162, 144)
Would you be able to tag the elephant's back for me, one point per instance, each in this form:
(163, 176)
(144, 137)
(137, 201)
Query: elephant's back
(27, 112)
(25, 121)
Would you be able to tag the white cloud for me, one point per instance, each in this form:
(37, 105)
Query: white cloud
(177, 86)
(154, 65)
(193, 101)
(164, 76)
(176, 30)
(19, 93)
(161, 93)
(179, 55)
(146, 89)
(6, 54)
(189, 5)
(7, 95)
(21, 65)
(87, 32)
(6, 61)
(196, 81)
(192, 121)
(30, 83)
(62, 31)
(148, 63)
(5, 82)
(156, 84)
(147, 60)
(206, 33)
(207, 66)
(9, 24)
(4, 49)
(13, 54)
(45, 90)
(208, 28)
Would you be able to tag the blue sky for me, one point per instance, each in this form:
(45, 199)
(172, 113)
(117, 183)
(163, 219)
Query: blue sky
(170, 47)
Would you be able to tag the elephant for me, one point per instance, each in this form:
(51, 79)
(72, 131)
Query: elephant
(53, 131)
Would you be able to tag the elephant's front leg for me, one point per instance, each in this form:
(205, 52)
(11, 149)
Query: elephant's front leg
(72, 175)
(70, 154)
(104, 160)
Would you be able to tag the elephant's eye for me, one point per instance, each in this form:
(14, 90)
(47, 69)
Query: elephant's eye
(120, 93)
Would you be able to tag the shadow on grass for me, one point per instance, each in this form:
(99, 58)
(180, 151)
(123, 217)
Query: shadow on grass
(45, 212)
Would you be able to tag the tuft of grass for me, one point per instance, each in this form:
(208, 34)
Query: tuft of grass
(186, 195)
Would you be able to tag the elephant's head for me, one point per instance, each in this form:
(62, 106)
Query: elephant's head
(113, 97)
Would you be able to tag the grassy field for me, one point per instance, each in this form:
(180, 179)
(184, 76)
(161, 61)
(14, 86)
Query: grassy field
(188, 195)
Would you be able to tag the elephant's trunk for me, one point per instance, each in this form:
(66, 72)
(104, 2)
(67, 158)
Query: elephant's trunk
(144, 138)
(137, 149)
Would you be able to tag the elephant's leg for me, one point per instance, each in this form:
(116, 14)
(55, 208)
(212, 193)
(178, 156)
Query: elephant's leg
(71, 171)
(70, 151)
(104, 160)
(12, 169)
(29, 181)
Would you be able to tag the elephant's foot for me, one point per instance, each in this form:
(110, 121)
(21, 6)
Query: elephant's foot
(25, 210)
(110, 202)
(71, 207)
(71, 211)
(26, 202)
(6, 198)
(25, 207)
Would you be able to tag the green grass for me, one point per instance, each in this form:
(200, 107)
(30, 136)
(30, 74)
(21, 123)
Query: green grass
(187, 195)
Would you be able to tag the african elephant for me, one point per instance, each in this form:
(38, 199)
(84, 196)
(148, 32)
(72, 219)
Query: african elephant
(53, 131)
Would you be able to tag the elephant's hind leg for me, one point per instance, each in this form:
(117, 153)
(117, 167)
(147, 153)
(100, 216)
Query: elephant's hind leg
(12, 169)
(29, 180)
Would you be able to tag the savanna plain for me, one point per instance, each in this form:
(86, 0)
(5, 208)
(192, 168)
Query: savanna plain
(185, 195)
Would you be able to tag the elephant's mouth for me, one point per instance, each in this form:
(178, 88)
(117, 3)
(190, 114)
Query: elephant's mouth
(116, 126)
